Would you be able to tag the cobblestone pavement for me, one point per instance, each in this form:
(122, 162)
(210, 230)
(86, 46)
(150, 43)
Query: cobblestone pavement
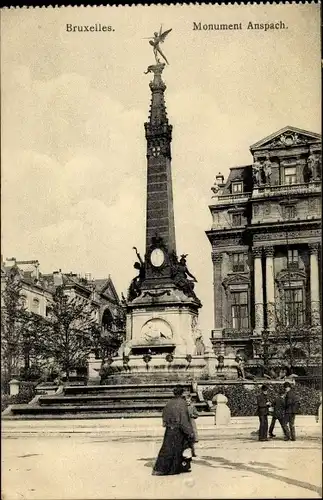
(94, 465)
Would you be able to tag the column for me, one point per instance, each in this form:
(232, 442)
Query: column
(258, 291)
(314, 282)
(217, 285)
(270, 288)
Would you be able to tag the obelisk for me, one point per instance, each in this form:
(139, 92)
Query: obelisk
(162, 308)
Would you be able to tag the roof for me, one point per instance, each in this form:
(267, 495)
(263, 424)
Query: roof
(303, 135)
(236, 174)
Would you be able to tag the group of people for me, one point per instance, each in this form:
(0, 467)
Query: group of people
(283, 409)
(179, 419)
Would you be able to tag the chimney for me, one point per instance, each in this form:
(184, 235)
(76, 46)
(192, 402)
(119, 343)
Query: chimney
(88, 276)
(58, 278)
(10, 261)
(219, 179)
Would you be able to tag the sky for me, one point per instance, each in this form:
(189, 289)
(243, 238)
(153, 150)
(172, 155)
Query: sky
(73, 112)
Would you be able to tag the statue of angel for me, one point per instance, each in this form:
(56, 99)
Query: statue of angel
(156, 40)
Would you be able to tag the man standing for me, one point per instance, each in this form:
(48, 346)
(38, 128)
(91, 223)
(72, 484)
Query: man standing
(279, 414)
(291, 404)
(263, 410)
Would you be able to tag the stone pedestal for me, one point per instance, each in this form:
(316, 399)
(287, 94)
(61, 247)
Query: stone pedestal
(222, 411)
(94, 366)
(14, 387)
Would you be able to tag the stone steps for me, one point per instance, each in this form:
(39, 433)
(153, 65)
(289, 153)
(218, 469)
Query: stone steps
(102, 401)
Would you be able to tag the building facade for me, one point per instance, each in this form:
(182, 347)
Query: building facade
(37, 291)
(266, 237)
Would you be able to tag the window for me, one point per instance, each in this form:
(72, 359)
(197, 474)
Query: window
(294, 307)
(24, 301)
(36, 305)
(239, 310)
(236, 219)
(292, 259)
(237, 187)
(289, 211)
(238, 262)
(290, 175)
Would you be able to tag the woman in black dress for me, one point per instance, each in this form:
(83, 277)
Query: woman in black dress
(178, 436)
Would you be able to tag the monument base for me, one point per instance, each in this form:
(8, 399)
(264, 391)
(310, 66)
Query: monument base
(162, 368)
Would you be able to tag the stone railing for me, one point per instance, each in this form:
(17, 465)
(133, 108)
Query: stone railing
(227, 199)
(231, 333)
(287, 189)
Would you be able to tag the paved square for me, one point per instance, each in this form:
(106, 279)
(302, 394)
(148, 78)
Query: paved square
(98, 462)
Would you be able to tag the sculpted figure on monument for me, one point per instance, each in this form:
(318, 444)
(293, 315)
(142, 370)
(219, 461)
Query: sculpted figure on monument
(266, 168)
(181, 275)
(311, 169)
(135, 285)
(156, 40)
(256, 172)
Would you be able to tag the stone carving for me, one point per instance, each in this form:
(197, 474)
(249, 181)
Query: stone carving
(181, 276)
(256, 167)
(135, 285)
(289, 139)
(155, 42)
(216, 257)
(266, 170)
(215, 188)
(303, 233)
(240, 367)
(314, 248)
(312, 168)
(199, 346)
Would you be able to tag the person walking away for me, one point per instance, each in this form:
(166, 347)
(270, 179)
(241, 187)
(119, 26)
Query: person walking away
(279, 414)
(291, 407)
(263, 409)
(177, 438)
(193, 415)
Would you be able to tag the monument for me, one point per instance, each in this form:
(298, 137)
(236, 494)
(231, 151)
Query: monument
(162, 335)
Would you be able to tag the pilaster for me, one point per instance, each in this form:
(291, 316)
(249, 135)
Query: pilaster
(270, 287)
(218, 296)
(258, 291)
(314, 284)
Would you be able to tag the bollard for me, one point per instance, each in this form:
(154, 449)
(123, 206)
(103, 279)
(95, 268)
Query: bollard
(14, 387)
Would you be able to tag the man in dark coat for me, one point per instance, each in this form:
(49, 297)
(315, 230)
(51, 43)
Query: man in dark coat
(279, 414)
(291, 404)
(263, 410)
(178, 436)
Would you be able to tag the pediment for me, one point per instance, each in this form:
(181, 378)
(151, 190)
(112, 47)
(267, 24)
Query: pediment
(285, 275)
(109, 290)
(236, 279)
(287, 137)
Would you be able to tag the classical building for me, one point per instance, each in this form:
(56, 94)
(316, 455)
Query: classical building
(37, 291)
(265, 237)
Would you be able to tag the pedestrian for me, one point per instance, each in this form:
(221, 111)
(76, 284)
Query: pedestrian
(291, 407)
(193, 415)
(178, 437)
(279, 414)
(263, 405)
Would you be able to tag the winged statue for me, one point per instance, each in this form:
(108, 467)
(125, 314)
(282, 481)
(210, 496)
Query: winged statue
(156, 40)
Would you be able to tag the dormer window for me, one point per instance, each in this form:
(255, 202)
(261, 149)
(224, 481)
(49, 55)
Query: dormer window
(290, 175)
(236, 187)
